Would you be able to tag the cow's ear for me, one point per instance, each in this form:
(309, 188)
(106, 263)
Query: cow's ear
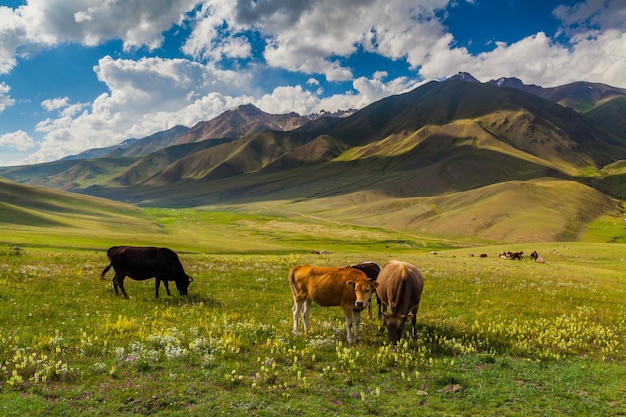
(374, 285)
(350, 284)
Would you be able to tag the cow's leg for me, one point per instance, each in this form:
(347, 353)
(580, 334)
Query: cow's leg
(115, 285)
(348, 313)
(382, 310)
(119, 281)
(306, 310)
(414, 323)
(157, 284)
(297, 310)
(167, 287)
(357, 321)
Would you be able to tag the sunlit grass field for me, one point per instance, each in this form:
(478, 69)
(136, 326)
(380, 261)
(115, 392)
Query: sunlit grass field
(496, 337)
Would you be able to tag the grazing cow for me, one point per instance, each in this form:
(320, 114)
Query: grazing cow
(328, 287)
(517, 255)
(372, 270)
(144, 263)
(400, 286)
(536, 257)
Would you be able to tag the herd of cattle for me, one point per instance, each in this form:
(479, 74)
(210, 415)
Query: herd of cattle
(518, 256)
(397, 285)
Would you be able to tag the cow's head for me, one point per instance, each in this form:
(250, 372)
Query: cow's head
(363, 289)
(182, 284)
(395, 326)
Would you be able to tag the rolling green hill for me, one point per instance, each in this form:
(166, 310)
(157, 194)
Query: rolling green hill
(66, 217)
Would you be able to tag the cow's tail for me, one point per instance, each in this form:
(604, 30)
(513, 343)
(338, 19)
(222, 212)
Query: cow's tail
(292, 281)
(105, 270)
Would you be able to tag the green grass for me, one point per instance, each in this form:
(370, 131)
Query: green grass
(496, 337)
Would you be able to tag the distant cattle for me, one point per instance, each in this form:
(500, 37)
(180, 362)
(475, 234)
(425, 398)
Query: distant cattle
(372, 270)
(483, 255)
(346, 287)
(536, 257)
(141, 263)
(511, 255)
(400, 286)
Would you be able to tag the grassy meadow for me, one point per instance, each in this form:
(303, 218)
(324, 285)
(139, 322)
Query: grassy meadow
(496, 337)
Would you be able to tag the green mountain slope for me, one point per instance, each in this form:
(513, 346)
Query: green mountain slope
(611, 115)
(542, 209)
(57, 210)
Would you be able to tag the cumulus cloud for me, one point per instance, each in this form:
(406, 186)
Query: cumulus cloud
(47, 23)
(55, 103)
(90, 22)
(304, 36)
(145, 96)
(19, 140)
(592, 15)
(366, 91)
(5, 100)
(12, 31)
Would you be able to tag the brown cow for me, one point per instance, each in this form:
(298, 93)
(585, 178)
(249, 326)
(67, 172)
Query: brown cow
(143, 263)
(328, 287)
(400, 286)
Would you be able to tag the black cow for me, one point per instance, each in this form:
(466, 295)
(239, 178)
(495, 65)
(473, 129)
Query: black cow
(145, 263)
(372, 270)
(517, 255)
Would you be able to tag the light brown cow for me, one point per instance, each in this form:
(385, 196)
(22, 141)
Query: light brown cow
(328, 287)
(400, 286)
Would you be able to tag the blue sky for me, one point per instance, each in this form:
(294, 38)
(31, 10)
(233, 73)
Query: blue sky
(76, 75)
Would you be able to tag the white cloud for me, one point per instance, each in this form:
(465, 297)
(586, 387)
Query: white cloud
(592, 14)
(303, 36)
(18, 140)
(379, 75)
(90, 22)
(5, 100)
(12, 32)
(538, 60)
(215, 33)
(145, 96)
(288, 99)
(55, 103)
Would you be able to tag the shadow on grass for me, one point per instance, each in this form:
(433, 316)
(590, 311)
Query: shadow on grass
(192, 299)
(444, 340)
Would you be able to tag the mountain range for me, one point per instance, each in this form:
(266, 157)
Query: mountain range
(499, 161)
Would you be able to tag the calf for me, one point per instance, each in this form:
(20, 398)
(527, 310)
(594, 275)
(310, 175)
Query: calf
(345, 287)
